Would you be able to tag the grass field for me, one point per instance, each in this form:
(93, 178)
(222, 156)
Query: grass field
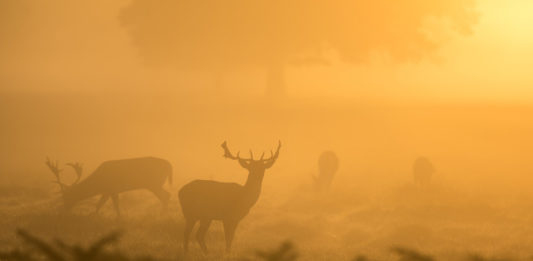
(442, 222)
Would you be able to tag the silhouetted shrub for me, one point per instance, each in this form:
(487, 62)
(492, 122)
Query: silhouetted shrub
(285, 252)
(411, 255)
(481, 258)
(360, 258)
(34, 249)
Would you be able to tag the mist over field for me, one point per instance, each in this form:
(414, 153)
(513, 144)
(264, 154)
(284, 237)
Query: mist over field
(401, 128)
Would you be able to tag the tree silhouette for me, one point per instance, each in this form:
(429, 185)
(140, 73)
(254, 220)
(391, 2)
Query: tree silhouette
(220, 35)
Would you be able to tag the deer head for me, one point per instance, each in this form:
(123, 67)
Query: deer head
(253, 166)
(54, 167)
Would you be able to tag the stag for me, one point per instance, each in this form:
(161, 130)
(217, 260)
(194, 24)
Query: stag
(207, 200)
(114, 177)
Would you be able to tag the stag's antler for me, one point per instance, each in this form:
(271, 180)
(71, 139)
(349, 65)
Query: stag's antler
(227, 153)
(78, 167)
(272, 155)
(269, 161)
(53, 166)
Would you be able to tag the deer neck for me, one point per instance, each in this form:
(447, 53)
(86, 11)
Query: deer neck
(252, 188)
(79, 192)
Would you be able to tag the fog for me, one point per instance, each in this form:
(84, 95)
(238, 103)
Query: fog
(91, 82)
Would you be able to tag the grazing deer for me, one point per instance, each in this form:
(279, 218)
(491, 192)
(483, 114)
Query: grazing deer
(114, 177)
(423, 169)
(206, 200)
(328, 164)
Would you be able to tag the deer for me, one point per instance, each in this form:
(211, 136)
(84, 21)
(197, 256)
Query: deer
(423, 170)
(208, 200)
(114, 177)
(328, 164)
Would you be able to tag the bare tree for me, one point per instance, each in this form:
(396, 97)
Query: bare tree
(114, 177)
(206, 200)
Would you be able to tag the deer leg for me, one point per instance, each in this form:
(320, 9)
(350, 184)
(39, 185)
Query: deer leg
(200, 235)
(189, 225)
(229, 232)
(101, 202)
(114, 198)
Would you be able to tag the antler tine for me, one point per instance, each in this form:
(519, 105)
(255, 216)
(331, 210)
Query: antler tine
(251, 155)
(227, 153)
(78, 167)
(53, 167)
(56, 170)
(272, 155)
(262, 156)
(269, 158)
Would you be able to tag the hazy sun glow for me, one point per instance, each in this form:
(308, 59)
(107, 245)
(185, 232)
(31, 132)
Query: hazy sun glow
(493, 65)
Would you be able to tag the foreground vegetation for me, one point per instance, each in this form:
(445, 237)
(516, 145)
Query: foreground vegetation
(105, 249)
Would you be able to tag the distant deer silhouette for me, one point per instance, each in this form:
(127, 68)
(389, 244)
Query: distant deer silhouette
(328, 164)
(206, 200)
(113, 177)
(423, 169)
